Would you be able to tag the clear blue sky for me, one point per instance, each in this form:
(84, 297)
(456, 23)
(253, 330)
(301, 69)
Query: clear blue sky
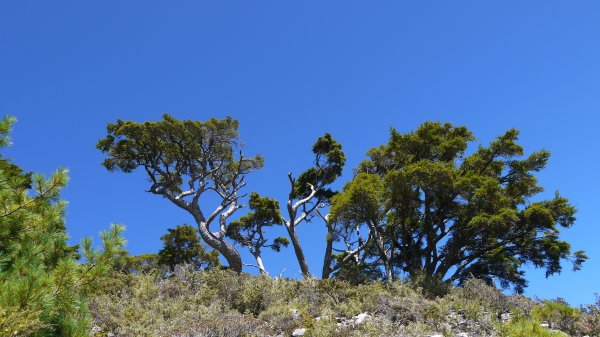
(290, 71)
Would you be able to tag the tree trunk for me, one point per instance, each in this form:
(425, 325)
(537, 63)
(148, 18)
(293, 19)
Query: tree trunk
(215, 241)
(260, 265)
(388, 271)
(298, 250)
(380, 245)
(328, 253)
(219, 244)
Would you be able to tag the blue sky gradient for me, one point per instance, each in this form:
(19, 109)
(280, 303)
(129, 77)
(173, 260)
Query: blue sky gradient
(291, 71)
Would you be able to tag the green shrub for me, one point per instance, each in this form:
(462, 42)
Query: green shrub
(557, 314)
(527, 328)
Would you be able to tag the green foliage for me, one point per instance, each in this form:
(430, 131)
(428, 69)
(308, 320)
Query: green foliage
(5, 126)
(174, 153)
(143, 263)
(181, 246)
(355, 271)
(249, 230)
(329, 163)
(431, 286)
(527, 328)
(171, 149)
(432, 209)
(361, 201)
(42, 289)
(557, 314)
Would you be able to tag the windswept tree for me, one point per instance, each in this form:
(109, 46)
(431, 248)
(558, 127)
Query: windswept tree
(429, 209)
(184, 161)
(249, 230)
(310, 192)
(181, 246)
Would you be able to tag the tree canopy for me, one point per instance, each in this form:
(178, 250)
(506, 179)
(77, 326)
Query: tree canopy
(183, 161)
(182, 246)
(430, 208)
(250, 229)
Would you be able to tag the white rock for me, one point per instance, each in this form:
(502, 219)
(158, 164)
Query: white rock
(96, 329)
(299, 332)
(505, 317)
(343, 321)
(462, 334)
(295, 314)
(436, 335)
(360, 318)
(544, 325)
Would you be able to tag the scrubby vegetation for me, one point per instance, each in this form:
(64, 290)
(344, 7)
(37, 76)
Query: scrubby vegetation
(416, 242)
(224, 303)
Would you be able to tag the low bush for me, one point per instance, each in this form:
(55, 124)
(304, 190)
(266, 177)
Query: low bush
(223, 303)
(589, 321)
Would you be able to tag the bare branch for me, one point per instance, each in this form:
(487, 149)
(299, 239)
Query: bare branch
(301, 202)
(352, 253)
(292, 187)
(185, 194)
(214, 214)
(251, 265)
(324, 217)
(223, 218)
(179, 202)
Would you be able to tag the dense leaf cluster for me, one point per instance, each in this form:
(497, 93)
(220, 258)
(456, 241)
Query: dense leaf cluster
(181, 246)
(430, 208)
